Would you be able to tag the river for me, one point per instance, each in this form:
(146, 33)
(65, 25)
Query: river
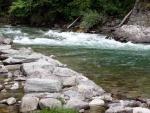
(120, 68)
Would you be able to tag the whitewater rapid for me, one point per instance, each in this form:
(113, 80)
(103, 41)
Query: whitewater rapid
(33, 36)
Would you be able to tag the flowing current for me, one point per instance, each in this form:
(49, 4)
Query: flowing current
(122, 68)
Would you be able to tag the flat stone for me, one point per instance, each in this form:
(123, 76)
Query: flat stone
(49, 103)
(11, 101)
(97, 102)
(77, 104)
(29, 104)
(42, 85)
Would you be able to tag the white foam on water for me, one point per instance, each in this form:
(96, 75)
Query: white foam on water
(57, 38)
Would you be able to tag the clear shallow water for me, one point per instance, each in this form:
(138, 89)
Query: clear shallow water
(117, 67)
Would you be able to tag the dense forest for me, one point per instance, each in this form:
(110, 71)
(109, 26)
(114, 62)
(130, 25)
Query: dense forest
(47, 12)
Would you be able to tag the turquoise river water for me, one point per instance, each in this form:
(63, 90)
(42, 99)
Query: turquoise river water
(120, 68)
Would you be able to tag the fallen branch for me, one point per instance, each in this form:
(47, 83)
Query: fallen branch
(73, 22)
(125, 18)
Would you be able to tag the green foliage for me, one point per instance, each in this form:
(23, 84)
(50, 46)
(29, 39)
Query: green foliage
(59, 110)
(90, 18)
(148, 6)
(48, 11)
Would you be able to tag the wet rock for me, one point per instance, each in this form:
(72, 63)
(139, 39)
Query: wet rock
(141, 110)
(11, 101)
(119, 109)
(74, 95)
(29, 68)
(8, 41)
(42, 85)
(77, 104)
(15, 86)
(97, 102)
(49, 103)
(70, 81)
(28, 104)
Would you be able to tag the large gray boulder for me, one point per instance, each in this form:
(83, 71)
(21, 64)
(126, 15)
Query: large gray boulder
(132, 33)
(50, 103)
(42, 85)
(29, 104)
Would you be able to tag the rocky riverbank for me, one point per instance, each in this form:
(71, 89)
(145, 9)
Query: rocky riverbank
(136, 28)
(48, 83)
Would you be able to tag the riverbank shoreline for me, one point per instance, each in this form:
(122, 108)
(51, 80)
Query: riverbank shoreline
(72, 87)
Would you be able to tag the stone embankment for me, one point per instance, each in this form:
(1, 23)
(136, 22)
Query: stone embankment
(48, 83)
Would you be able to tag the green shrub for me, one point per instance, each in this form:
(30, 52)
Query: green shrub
(90, 18)
(59, 110)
